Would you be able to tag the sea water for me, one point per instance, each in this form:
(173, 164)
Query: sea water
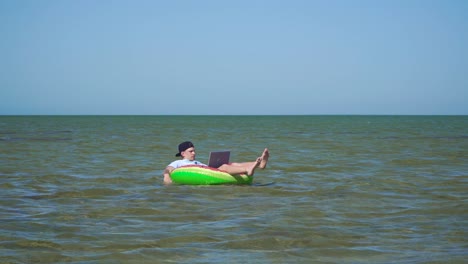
(337, 189)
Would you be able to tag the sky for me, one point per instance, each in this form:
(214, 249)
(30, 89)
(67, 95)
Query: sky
(243, 57)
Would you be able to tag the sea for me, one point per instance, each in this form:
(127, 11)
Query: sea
(336, 189)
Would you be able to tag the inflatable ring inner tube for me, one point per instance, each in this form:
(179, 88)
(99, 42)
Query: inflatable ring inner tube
(203, 175)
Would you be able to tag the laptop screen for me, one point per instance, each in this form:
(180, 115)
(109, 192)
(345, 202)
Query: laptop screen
(218, 158)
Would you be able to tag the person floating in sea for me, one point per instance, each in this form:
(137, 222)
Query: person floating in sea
(187, 154)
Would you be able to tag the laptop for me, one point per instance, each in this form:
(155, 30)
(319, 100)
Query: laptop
(218, 158)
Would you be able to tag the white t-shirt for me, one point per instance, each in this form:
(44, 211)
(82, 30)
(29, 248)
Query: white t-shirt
(180, 163)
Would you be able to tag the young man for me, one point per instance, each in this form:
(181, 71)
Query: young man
(187, 153)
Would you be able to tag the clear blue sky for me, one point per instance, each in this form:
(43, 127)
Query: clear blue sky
(233, 57)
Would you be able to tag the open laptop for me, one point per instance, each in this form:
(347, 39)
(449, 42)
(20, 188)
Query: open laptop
(218, 158)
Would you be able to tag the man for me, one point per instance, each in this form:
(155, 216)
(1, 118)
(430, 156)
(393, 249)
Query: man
(187, 154)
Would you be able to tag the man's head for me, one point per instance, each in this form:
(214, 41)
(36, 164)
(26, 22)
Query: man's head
(186, 150)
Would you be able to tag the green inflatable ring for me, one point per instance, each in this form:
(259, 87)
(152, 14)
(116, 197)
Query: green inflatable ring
(203, 175)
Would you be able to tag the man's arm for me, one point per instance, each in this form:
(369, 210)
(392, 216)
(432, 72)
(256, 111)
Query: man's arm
(167, 175)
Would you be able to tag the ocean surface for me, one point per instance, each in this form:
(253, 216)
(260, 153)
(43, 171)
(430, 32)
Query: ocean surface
(337, 189)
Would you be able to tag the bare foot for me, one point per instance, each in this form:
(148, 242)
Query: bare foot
(264, 158)
(250, 171)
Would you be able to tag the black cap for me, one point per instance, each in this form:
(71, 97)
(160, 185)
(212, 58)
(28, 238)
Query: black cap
(184, 146)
